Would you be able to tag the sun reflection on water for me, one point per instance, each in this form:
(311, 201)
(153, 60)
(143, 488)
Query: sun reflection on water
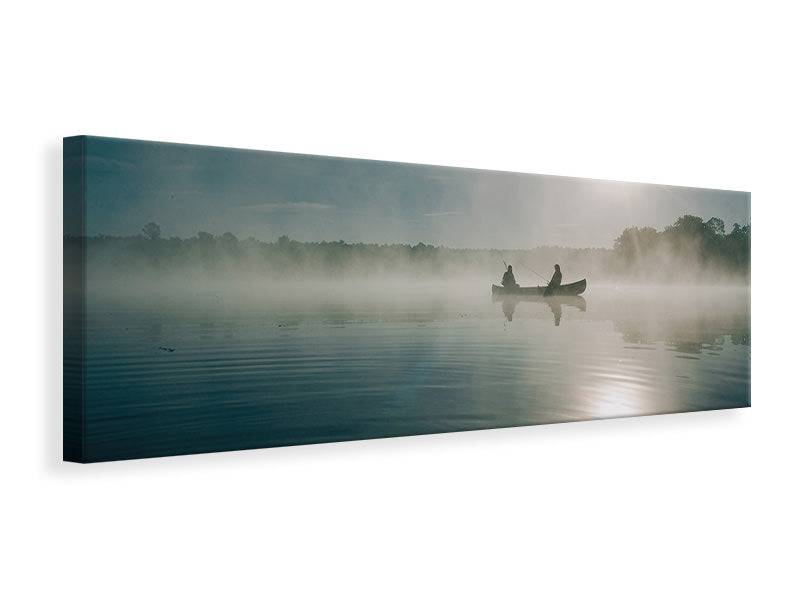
(617, 395)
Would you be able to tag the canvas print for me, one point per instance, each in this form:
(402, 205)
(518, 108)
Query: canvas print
(219, 299)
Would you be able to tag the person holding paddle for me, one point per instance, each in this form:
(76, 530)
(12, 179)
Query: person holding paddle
(508, 279)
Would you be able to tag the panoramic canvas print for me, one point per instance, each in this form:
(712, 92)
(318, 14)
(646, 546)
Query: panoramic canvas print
(218, 299)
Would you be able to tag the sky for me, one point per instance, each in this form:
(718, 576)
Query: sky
(186, 189)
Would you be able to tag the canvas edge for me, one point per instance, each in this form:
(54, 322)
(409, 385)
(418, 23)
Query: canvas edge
(74, 298)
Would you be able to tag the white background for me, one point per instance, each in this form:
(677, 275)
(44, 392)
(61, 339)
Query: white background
(684, 506)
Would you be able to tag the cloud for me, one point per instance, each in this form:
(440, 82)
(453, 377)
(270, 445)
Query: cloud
(189, 168)
(290, 207)
(442, 214)
(103, 164)
(173, 192)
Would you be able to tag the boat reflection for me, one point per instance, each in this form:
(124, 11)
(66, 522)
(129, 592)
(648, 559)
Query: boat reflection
(555, 303)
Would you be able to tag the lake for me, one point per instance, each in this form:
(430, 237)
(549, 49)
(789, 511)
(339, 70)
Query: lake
(223, 369)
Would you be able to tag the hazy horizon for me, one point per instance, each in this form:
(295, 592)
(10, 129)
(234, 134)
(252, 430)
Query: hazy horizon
(187, 189)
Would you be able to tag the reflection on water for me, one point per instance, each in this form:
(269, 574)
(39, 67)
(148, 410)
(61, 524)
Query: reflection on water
(223, 371)
(554, 302)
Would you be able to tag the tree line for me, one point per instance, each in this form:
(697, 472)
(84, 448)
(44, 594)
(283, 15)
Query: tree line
(689, 249)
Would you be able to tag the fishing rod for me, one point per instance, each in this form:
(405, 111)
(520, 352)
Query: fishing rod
(527, 267)
(542, 276)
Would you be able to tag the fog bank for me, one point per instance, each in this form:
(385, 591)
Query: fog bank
(689, 251)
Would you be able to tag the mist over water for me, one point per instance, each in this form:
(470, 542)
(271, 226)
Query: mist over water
(689, 251)
(172, 371)
(341, 299)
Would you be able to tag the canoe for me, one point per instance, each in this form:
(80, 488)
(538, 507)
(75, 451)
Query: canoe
(568, 289)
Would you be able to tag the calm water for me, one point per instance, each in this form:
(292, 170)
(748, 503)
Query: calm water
(212, 371)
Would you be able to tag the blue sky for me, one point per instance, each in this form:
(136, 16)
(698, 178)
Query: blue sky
(186, 189)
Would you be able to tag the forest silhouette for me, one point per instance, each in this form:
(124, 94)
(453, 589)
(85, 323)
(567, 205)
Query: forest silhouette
(690, 250)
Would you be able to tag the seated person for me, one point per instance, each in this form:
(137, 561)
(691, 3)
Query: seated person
(555, 281)
(508, 279)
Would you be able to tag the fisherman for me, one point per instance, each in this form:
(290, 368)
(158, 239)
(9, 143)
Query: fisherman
(555, 281)
(508, 279)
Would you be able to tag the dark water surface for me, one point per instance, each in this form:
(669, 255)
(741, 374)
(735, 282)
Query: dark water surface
(223, 370)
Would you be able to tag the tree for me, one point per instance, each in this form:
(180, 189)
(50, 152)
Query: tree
(716, 226)
(686, 227)
(635, 243)
(152, 231)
